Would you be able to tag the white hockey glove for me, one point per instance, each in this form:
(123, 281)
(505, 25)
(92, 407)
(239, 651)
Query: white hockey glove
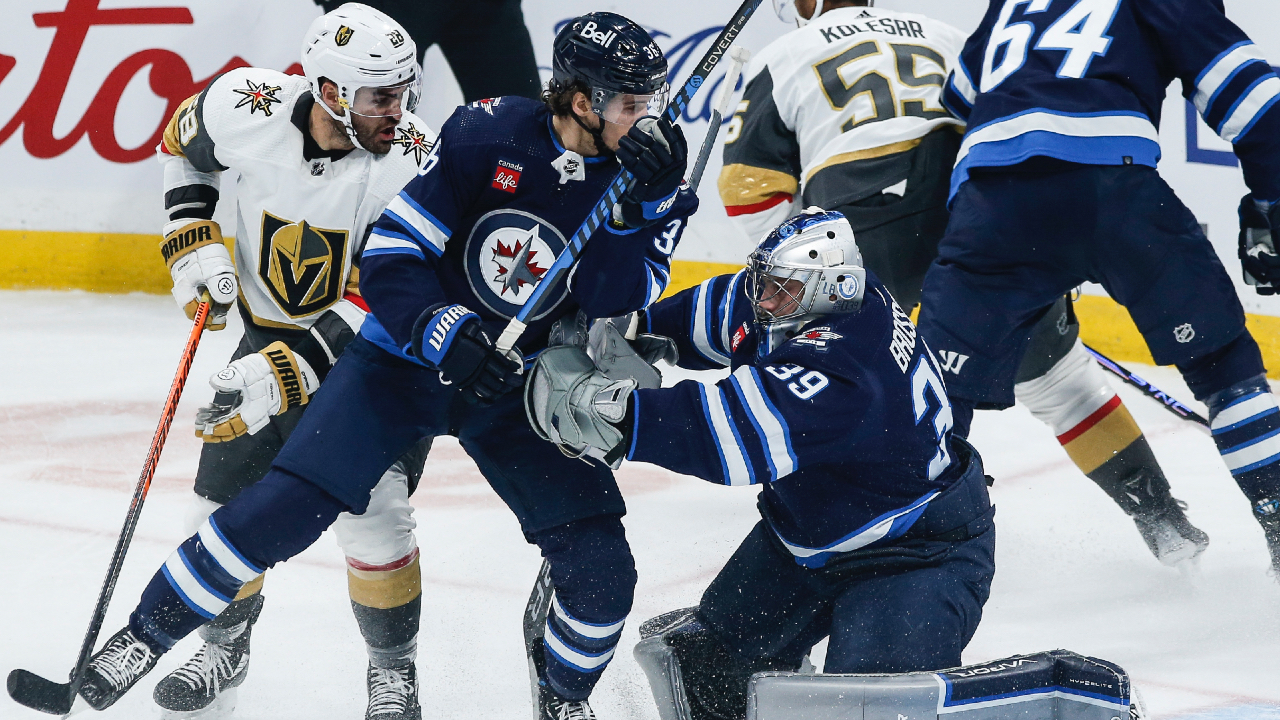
(570, 403)
(199, 261)
(1258, 257)
(254, 388)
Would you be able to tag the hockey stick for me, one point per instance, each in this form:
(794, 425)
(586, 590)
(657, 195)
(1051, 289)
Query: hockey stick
(740, 56)
(535, 623)
(559, 270)
(57, 698)
(1170, 403)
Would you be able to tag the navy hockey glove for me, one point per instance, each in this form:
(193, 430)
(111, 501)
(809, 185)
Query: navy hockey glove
(656, 153)
(451, 337)
(1258, 255)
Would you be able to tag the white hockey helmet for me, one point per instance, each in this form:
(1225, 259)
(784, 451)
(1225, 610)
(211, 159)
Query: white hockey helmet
(809, 266)
(787, 12)
(360, 50)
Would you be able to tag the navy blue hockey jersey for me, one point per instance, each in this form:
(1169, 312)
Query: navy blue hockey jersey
(486, 217)
(847, 424)
(1083, 81)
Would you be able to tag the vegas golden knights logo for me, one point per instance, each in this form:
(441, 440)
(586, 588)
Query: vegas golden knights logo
(301, 265)
(343, 36)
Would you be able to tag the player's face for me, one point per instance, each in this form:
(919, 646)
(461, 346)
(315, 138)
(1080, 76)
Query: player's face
(622, 111)
(780, 297)
(375, 114)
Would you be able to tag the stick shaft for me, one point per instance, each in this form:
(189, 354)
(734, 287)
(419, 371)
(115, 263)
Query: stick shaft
(559, 270)
(139, 496)
(717, 116)
(1169, 402)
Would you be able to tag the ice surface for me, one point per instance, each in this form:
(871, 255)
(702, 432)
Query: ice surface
(83, 380)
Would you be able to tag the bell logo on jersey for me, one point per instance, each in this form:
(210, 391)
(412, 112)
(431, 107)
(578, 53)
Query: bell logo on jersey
(343, 36)
(301, 265)
(507, 255)
(597, 36)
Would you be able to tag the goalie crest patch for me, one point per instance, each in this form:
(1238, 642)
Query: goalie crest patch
(818, 337)
(507, 255)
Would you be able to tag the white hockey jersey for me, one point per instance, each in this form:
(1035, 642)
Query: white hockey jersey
(301, 221)
(857, 83)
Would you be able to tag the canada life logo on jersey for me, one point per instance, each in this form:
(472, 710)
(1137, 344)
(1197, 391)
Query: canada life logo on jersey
(506, 176)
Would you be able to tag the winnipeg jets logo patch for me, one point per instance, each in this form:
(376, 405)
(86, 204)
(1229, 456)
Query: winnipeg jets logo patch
(508, 254)
(258, 96)
(817, 337)
(413, 141)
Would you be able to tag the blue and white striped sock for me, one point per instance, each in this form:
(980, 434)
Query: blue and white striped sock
(1245, 420)
(577, 651)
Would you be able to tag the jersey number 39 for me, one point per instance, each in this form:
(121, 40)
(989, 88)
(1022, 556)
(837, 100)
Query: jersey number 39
(929, 401)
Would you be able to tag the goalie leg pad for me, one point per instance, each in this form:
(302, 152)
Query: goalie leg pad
(1057, 684)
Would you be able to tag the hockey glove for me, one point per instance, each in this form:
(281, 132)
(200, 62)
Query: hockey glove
(572, 404)
(1258, 255)
(199, 261)
(656, 153)
(451, 337)
(249, 391)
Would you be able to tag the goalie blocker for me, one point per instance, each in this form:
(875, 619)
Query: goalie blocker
(1054, 684)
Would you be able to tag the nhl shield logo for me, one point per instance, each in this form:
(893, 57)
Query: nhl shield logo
(343, 36)
(508, 253)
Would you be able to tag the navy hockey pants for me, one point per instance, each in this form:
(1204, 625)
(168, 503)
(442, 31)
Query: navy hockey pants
(1019, 240)
(371, 408)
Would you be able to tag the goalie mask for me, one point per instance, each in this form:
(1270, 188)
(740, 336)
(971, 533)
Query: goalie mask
(808, 267)
(369, 57)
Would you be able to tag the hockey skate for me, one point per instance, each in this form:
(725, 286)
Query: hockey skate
(204, 686)
(1170, 535)
(393, 694)
(1268, 514)
(553, 707)
(115, 668)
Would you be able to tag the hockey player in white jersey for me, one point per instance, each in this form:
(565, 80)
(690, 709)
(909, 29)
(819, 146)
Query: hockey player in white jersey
(319, 157)
(846, 113)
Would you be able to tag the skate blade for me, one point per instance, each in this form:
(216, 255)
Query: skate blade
(77, 707)
(220, 709)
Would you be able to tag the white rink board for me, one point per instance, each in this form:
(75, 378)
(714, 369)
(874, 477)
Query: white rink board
(1072, 571)
(50, 187)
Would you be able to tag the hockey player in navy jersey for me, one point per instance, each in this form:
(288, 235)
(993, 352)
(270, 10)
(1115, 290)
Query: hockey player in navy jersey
(877, 528)
(1055, 185)
(846, 113)
(453, 257)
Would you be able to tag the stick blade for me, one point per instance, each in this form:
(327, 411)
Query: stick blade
(27, 688)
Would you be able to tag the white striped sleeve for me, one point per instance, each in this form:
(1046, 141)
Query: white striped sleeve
(425, 228)
(730, 294)
(704, 335)
(1256, 101)
(732, 456)
(1220, 72)
(767, 421)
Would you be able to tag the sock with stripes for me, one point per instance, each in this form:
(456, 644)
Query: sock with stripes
(1245, 420)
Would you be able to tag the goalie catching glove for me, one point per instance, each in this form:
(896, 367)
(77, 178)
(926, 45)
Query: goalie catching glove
(254, 388)
(1258, 255)
(572, 404)
(199, 261)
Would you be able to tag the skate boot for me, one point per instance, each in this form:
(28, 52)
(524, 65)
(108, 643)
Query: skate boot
(1268, 514)
(117, 667)
(205, 685)
(553, 707)
(1170, 535)
(393, 693)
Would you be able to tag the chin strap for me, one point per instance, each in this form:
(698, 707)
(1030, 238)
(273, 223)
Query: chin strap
(597, 134)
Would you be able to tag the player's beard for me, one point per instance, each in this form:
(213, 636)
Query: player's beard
(375, 133)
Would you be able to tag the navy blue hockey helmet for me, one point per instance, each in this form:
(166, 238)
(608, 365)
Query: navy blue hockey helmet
(617, 60)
